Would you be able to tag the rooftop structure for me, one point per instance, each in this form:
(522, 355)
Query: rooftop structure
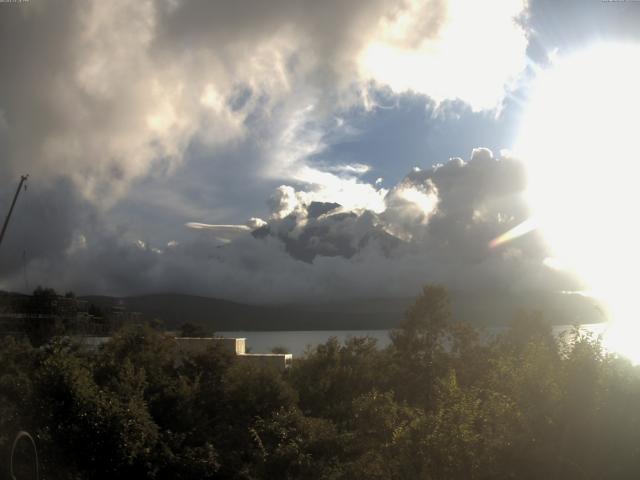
(279, 361)
(72, 315)
(199, 345)
(237, 346)
(202, 344)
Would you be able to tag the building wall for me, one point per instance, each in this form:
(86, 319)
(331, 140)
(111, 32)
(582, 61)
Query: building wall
(197, 345)
(192, 345)
(279, 361)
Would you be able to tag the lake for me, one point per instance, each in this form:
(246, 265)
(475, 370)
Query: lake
(297, 341)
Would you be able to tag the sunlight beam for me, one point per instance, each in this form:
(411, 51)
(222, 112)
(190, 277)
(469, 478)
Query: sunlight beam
(579, 141)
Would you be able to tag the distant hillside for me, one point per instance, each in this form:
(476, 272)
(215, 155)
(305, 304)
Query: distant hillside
(486, 308)
(221, 315)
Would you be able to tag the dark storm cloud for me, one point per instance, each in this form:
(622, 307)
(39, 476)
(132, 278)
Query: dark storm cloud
(322, 251)
(323, 229)
(449, 211)
(42, 225)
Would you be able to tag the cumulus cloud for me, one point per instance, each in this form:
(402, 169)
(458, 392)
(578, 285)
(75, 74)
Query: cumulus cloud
(450, 211)
(107, 92)
(99, 96)
(317, 250)
(83, 100)
(467, 37)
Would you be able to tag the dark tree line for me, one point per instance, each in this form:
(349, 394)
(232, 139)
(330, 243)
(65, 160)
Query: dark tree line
(48, 315)
(438, 403)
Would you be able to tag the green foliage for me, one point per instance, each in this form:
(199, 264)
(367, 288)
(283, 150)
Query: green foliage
(92, 428)
(330, 377)
(418, 346)
(374, 435)
(42, 329)
(17, 359)
(42, 322)
(189, 329)
(95, 311)
(439, 403)
(43, 301)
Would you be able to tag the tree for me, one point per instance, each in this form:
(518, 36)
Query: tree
(17, 364)
(289, 445)
(189, 329)
(377, 422)
(340, 372)
(438, 403)
(95, 311)
(418, 345)
(42, 322)
(43, 301)
(280, 349)
(93, 430)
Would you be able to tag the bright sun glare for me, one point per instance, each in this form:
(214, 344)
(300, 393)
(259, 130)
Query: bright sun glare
(579, 139)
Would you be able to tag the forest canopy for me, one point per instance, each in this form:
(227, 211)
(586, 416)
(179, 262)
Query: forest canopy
(439, 403)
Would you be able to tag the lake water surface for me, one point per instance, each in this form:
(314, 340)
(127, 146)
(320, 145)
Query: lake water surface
(297, 341)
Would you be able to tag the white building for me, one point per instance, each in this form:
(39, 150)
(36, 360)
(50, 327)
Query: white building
(237, 346)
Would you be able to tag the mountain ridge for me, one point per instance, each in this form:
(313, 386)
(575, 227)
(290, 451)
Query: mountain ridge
(479, 308)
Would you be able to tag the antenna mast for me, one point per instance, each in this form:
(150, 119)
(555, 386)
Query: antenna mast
(23, 179)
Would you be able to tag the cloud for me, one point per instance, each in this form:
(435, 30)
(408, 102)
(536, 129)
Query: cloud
(222, 233)
(106, 93)
(574, 24)
(483, 41)
(310, 250)
(450, 210)
(107, 104)
(82, 98)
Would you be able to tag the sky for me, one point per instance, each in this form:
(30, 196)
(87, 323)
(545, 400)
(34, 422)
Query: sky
(279, 151)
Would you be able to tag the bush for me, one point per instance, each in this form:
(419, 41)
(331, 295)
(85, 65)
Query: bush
(436, 404)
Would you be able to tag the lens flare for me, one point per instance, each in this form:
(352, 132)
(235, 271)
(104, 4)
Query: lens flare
(517, 231)
(579, 139)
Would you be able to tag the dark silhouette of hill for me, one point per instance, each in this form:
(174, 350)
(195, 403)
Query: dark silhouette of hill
(479, 308)
(220, 315)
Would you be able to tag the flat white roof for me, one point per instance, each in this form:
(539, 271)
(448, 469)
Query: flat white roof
(213, 338)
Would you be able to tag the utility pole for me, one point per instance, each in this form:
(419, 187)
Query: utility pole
(23, 179)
